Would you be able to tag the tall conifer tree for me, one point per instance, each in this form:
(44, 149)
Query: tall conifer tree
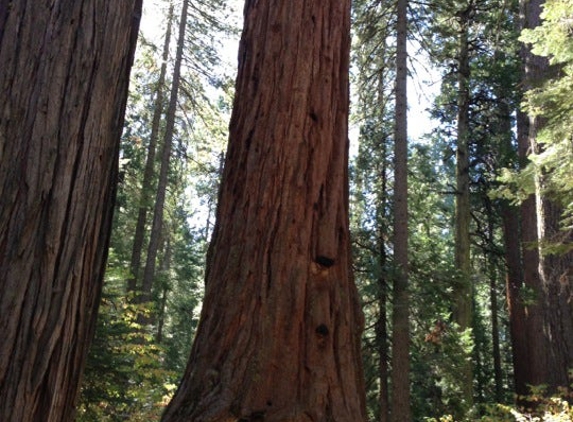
(401, 410)
(279, 337)
(63, 83)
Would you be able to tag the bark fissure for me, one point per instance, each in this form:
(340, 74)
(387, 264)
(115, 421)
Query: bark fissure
(278, 262)
(549, 343)
(57, 172)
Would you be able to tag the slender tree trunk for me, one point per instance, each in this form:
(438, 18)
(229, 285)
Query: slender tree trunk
(279, 337)
(494, 308)
(512, 248)
(382, 283)
(400, 410)
(64, 75)
(146, 185)
(382, 345)
(164, 270)
(514, 292)
(462, 312)
(161, 315)
(382, 293)
(478, 363)
(213, 199)
(490, 258)
(154, 240)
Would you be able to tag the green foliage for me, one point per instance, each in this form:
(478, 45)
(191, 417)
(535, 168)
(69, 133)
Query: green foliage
(435, 368)
(133, 368)
(552, 409)
(553, 37)
(442, 354)
(130, 372)
(140, 350)
(124, 377)
(553, 102)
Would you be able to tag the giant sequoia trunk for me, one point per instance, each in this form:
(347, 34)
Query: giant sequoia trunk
(279, 338)
(550, 324)
(63, 82)
(556, 274)
(531, 372)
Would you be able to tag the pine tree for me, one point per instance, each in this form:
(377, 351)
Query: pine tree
(401, 411)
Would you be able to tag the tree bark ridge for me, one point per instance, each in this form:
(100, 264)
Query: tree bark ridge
(63, 80)
(279, 333)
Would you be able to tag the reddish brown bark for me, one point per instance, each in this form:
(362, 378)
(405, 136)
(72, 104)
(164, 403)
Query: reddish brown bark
(535, 344)
(279, 338)
(63, 84)
(556, 274)
(549, 319)
(514, 286)
(510, 217)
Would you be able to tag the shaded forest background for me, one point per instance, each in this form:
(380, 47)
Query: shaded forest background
(171, 160)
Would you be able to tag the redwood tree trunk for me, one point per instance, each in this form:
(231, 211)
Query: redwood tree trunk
(534, 69)
(556, 273)
(514, 293)
(550, 323)
(512, 247)
(535, 344)
(63, 82)
(279, 338)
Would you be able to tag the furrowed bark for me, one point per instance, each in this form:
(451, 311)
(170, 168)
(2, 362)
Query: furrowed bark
(279, 338)
(63, 83)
